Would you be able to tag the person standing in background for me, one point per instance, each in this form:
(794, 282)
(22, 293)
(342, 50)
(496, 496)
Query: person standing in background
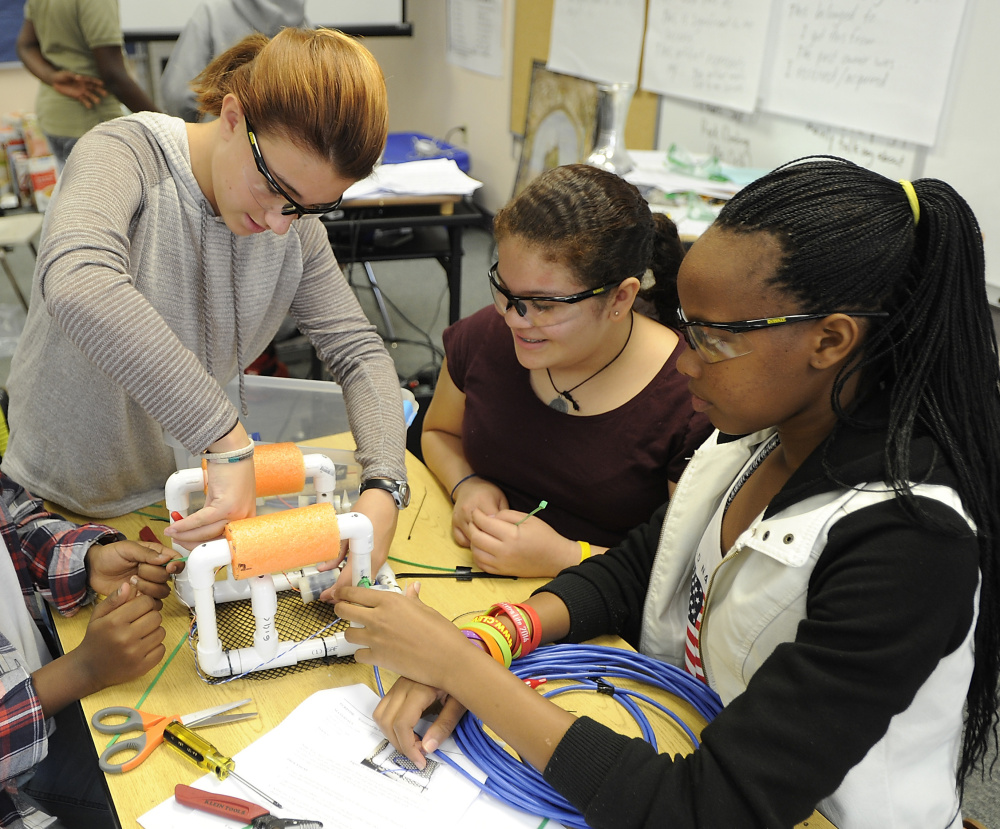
(74, 47)
(215, 26)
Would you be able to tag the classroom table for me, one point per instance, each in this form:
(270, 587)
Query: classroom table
(393, 228)
(423, 535)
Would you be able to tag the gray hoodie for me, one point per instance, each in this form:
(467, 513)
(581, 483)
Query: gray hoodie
(145, 304)
(215, 26)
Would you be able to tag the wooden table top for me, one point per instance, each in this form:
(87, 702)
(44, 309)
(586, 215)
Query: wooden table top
(423, 536)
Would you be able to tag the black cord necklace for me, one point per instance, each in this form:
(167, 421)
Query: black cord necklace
(559, 403)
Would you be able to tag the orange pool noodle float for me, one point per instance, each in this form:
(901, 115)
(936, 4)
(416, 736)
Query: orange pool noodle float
(278, 468)
(283, 541)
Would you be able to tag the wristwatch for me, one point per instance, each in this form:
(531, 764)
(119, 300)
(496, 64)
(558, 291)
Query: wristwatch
(399, 490)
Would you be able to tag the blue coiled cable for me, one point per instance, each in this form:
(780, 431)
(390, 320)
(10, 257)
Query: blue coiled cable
(589, 667)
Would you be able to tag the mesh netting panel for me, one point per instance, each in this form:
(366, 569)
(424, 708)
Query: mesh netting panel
(295, 621)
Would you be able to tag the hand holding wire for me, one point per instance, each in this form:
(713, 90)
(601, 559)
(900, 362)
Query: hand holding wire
(401, 709)
(474, 494)
(403, 635)
(109, 565)
(515, 543)
(124, 638)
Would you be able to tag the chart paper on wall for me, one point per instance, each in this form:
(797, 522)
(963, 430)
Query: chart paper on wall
(599, 40)
(881, 66)
(710, 51)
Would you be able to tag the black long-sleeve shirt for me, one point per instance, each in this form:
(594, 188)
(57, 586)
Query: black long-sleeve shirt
(889, 597)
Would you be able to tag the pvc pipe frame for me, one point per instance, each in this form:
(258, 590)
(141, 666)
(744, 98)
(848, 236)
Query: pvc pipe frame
(267, 651)
(177, 497)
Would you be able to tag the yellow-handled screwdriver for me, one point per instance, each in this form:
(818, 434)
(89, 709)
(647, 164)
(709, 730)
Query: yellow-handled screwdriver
(206, 756)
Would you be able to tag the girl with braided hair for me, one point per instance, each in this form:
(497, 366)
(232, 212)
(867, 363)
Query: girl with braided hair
(828, 563)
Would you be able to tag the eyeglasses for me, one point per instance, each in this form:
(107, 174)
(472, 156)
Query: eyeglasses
(275, 189)
(718, 341)
(541, 310)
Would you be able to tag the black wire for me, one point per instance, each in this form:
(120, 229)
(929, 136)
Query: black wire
(437, 354)
(428, 342)
(460, 575)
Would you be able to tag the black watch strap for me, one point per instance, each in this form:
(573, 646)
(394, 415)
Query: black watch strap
(399, 490)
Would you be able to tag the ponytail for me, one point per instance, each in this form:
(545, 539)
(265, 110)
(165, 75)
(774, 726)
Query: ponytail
(855, 240)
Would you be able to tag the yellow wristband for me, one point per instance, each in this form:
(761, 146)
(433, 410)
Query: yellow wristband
(585, 546)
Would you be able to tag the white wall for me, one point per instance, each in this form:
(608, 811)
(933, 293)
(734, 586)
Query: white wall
(18, 88)
(427, 94)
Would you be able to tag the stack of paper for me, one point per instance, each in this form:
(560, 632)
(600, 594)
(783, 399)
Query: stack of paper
(429, 177)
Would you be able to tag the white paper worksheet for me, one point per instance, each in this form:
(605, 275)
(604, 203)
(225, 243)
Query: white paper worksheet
(329, 762)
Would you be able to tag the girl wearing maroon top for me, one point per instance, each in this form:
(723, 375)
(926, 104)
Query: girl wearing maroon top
(561, 391)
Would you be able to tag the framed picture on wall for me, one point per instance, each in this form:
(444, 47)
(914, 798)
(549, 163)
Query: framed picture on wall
(561, 123)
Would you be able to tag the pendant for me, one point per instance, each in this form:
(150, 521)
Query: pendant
(559, 405)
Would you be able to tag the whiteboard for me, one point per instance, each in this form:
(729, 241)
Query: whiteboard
(965, 153)
(143, 19)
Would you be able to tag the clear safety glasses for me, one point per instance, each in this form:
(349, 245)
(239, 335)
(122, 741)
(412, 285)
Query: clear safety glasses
(718, 341)
(541, 311)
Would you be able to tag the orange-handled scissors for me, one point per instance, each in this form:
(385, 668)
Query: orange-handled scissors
(152, 726)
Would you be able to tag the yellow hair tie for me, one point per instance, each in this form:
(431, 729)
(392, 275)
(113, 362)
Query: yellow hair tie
(911, 196)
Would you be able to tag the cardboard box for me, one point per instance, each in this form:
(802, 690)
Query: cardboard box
(19, 172)
(43, 172)
(36, 144)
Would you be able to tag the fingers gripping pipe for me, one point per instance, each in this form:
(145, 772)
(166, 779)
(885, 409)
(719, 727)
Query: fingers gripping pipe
(279, 469)
(255, 547)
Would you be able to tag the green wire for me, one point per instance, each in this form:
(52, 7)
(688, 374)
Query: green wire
(149, 515)
(156, 679)
(541, 505)
(425, 566)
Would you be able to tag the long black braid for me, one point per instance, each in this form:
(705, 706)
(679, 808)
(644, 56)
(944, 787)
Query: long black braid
(850, 242)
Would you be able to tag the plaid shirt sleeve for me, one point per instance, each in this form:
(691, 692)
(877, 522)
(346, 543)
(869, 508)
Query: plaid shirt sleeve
(22, 725)
(48, 552)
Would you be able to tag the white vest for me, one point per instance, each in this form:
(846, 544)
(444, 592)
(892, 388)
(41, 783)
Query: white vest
(907, 779)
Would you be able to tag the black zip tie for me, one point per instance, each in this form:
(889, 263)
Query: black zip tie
(605, 687)
(462, 573)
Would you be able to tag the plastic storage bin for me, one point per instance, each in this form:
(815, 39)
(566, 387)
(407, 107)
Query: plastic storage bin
(283, 409)
(286, 409)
